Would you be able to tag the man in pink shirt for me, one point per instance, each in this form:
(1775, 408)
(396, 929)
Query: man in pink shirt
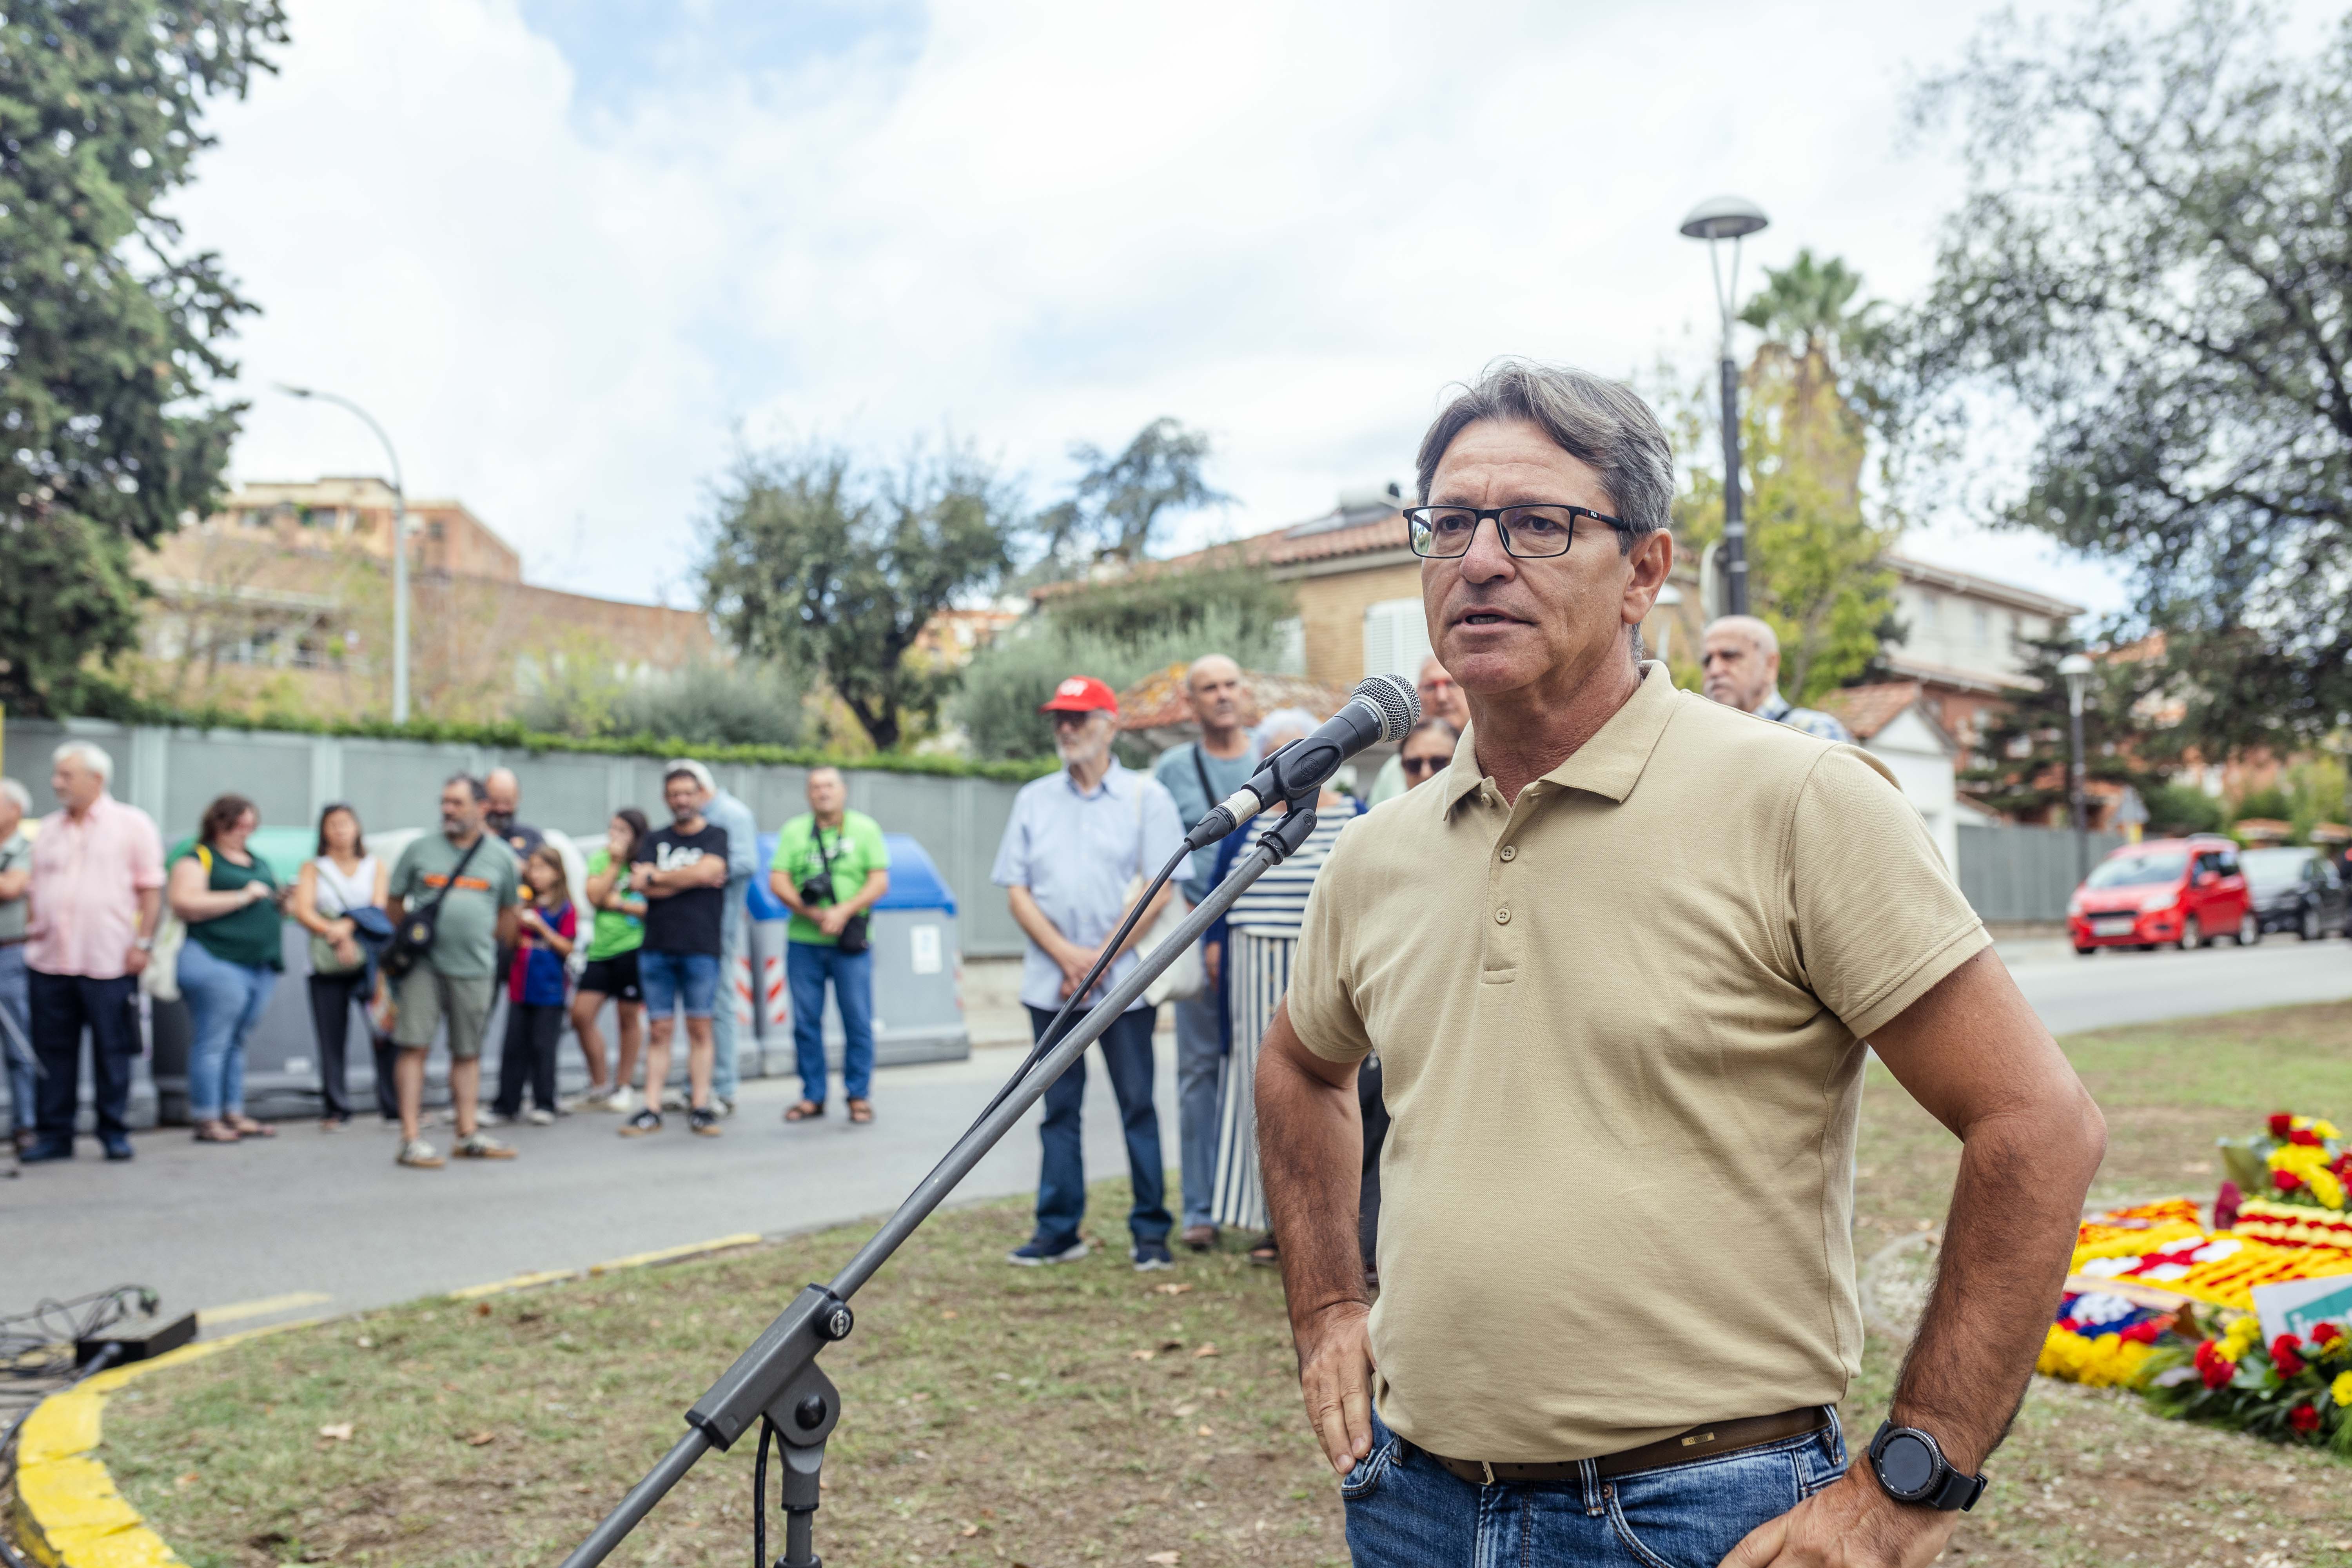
(98, 881)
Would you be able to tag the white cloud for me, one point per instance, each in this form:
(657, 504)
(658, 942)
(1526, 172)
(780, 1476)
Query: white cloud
(1291, 225)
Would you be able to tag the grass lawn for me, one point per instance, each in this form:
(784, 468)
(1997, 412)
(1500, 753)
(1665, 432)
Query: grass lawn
(1085, 1413)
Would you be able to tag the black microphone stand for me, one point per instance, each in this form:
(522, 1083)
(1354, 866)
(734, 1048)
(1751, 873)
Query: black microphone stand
(777, 1381)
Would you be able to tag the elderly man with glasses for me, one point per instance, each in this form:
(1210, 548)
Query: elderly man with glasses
(1619, 964)
(1076, 840)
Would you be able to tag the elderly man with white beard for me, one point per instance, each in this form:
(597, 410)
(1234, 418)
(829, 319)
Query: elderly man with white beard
(1078, 839)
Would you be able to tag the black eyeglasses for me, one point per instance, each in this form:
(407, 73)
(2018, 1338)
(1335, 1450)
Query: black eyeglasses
(1529, 532)
(1422, 764)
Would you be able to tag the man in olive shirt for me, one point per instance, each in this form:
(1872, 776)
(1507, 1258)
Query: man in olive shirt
(456, 978)
(1618, 962)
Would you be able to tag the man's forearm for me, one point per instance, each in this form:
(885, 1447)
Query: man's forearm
(2007, 1239)
(151, 908)
(1310, 1145)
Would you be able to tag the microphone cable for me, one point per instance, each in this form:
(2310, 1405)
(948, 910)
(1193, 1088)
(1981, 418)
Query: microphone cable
(1072, 1008)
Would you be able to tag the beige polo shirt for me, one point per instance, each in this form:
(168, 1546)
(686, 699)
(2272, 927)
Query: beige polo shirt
(1620, 1030)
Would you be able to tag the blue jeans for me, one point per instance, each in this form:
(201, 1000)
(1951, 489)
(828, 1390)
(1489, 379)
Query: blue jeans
(16, 1037)
(1404, 1509)
(225, 1002)
(669, 979)
(1062, 1178)
(808, 966)
(1200, 1069)
(734, 940)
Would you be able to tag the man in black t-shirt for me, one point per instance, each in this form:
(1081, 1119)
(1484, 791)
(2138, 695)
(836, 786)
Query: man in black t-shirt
(681, 870)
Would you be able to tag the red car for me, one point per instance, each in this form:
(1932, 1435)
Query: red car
(2181, 891)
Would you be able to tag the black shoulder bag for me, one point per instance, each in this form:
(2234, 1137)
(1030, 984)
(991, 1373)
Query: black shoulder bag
(414, 939)
(852, 940)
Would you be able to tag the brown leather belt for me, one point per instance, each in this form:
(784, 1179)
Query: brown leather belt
(1699, 1443)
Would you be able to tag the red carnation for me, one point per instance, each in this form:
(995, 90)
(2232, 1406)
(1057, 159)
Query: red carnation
(2304, 1418)
(2212, 1366)
(2287, 1355)
(2325, 1333)
(2281, 1124)
(2285, 1180)
(2305, 1136)
(2343, 1167)
(2144, 1332)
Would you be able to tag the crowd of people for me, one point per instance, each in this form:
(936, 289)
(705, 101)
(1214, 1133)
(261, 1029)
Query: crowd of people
(417, 948)
(651, 931)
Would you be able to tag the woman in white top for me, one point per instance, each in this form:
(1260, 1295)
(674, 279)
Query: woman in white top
(341, 878)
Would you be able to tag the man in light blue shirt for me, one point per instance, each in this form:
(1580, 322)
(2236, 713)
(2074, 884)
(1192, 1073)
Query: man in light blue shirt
(722, 809)
(1076, 839)
(1197, 776)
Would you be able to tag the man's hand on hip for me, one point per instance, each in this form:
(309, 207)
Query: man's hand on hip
(1852, 1523)
(1335, 1363)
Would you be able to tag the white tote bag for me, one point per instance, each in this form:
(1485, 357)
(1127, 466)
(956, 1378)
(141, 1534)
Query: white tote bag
(1184, 979)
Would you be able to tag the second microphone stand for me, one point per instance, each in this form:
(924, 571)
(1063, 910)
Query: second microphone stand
(777, 1381)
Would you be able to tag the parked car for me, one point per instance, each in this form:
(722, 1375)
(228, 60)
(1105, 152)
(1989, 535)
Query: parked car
(2295, 890)
(2183, 891)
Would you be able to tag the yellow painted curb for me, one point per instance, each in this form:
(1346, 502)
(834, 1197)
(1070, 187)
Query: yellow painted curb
(69, 1513)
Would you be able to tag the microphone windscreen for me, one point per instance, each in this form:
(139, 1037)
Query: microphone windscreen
(1398, 703)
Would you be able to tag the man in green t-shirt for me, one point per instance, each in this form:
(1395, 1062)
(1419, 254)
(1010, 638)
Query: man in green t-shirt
(457, 978)
(838, 856)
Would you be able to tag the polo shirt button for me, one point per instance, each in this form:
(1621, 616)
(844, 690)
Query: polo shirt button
(1502, 916)
(1510, 851)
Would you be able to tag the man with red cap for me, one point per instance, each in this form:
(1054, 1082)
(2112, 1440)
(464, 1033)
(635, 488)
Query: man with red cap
(1077, 841)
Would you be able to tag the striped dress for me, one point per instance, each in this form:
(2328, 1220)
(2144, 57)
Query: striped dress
(1261, 935)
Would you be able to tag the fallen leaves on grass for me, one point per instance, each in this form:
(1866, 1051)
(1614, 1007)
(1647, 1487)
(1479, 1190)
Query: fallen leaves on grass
(1165, 1559)
(187, 1480)
(336, 1431)
(1205, 1352)
(481, 1439)
(1144, 1354)
(1171, 1290)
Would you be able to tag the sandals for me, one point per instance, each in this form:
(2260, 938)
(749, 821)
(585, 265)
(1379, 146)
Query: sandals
(805, 1110)
(246, 1127)
(216, 1132)
(1265, 1253)
(861, 1111)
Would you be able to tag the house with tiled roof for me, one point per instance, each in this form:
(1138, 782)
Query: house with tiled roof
(1896, 721)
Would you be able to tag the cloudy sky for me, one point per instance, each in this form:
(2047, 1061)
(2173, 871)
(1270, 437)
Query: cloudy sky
(565, 248)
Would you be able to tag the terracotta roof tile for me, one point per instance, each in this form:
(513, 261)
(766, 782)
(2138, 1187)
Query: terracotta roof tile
(1867, 710)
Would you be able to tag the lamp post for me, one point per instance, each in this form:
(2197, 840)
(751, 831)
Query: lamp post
(1713, 220)
(2076, 669)
(399, 548)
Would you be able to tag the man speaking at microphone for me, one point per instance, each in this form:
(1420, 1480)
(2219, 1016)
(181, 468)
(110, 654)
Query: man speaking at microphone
(1618, 962)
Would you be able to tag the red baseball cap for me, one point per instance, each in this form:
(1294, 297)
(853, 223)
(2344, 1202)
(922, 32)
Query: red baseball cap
(1080, 694)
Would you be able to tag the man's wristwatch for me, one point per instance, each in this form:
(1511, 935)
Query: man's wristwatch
(1912, 1467)
(146, 945)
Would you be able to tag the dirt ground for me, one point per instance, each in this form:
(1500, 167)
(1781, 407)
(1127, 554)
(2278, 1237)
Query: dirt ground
(1086, 1414)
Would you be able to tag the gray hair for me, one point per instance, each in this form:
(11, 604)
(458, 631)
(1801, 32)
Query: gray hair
(476, 790)
(1597, 421)
(1284, 722)
(11, 790)
(89, 754)
(1758, 632)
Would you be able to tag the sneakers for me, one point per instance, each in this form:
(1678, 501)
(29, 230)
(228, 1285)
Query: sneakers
(671, 1099)
(621, 1099)
(703, 1123)
(482, 1146)
(648, 1120)
(1201, 1237)
(540, 1117)
(1037, 1254)
(1152, 1255)
(722, 1105)
(487, 1118)
(417, 1152)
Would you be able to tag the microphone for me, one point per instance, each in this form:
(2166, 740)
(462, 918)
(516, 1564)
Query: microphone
(1382, 708)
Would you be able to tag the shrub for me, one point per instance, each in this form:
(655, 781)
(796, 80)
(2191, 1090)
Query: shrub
(2183, 808)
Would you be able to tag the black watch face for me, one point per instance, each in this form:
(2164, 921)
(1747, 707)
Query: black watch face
(1906, 1466)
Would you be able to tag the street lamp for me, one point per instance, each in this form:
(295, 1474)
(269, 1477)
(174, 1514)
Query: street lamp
(399, 548)
(2076, 669)
(1713, 220)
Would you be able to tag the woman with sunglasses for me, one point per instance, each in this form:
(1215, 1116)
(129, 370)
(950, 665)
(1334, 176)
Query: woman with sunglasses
(1428, 749)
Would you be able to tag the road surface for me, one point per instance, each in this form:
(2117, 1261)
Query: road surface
(311, 1222)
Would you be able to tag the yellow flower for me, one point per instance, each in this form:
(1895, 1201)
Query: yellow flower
(2303, 1159)
(2326, 1188)
(2325, 1129)
(2242, 1334)
(2342, 1389)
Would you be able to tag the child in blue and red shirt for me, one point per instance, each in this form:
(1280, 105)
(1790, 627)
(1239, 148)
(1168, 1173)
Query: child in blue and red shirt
(536, 988)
